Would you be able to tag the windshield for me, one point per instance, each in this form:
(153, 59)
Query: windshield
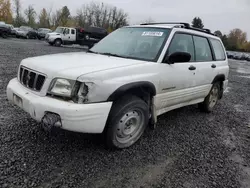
(59, 30)
(24, 28)
(144, 43)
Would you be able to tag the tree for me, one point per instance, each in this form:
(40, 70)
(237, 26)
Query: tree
(101, 15)
(197, 22)
(237, 39)
(65, 16)
(218, 33)
(19, 19)
(44, 19)
(31, 15)
(5, 11)
(148, 20)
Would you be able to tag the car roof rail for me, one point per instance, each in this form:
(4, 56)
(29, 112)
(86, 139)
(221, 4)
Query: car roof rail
(164, 23)
(182, 25)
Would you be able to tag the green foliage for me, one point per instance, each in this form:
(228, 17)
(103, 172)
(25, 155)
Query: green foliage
(218, 33)
(44, 21)
(65, 16)
(197, 22)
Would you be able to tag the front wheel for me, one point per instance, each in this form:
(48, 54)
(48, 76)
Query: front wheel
(127, 121)
(58, 42)
(211, 99)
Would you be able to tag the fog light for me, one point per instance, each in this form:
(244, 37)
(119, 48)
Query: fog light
(50, 120)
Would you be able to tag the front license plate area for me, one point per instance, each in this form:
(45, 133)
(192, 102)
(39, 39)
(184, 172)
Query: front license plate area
(18, 100)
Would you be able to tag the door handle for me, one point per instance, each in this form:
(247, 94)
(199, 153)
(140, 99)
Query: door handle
(192, 67)
(213, 66)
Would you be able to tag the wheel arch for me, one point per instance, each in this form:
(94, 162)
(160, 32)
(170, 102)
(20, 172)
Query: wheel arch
(137, 88)
(219, 78)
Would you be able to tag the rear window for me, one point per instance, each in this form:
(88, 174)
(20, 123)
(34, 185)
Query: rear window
(218, 50)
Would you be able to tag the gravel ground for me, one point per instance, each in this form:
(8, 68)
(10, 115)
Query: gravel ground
(188, 149)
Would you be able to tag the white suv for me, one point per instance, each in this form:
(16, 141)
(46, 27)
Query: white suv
(124, 82)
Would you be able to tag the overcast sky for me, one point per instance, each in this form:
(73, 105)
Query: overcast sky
(216, 14)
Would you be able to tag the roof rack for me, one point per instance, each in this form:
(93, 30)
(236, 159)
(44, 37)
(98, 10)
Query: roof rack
(162, 23)
(183, 25)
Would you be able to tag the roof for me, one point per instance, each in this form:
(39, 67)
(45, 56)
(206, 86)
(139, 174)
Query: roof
(179, 26)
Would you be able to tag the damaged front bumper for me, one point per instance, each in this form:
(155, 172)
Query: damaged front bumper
(86, 118)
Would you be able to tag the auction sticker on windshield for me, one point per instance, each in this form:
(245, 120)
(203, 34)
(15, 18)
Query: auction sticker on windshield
(150, 33)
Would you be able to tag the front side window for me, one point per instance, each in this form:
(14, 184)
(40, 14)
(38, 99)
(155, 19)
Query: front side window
(182, 43)
(218, 49)
(66, 31)
(72, 31)
(202, 49)
(143, 43)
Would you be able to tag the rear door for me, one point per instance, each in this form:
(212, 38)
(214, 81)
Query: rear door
(205, 64)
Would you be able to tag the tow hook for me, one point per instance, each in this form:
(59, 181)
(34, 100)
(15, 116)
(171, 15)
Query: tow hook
(51, 120)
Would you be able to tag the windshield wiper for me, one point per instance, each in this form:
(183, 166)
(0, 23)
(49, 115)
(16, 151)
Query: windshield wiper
(90, 51)
(114, 55)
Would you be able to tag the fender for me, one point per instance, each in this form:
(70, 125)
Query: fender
(219, 77)
(134, 85)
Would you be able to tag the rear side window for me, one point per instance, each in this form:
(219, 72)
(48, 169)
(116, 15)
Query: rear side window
(72, 31)
(202, 49)
(218, 50)
(182, 43)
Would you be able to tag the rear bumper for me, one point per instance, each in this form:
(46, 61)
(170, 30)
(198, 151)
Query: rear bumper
(86, 118)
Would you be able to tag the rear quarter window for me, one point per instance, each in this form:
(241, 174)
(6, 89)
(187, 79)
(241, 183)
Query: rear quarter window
(218, 50)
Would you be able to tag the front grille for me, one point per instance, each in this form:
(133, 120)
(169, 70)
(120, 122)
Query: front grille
(31, 79)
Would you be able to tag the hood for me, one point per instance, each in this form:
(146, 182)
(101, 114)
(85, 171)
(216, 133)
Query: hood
(22, 31)
(73, 65)
(53, 33)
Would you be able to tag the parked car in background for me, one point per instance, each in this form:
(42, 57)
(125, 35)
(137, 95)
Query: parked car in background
(41, 33)
(247, 57)
(239, 56)
(230, 55)
(26, 32)
(82, 36)
(14, 31)
(5, 30)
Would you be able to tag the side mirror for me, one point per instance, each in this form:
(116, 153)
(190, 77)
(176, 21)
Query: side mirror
(179, 57)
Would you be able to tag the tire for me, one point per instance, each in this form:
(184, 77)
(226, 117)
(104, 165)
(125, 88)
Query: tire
(58, 42)
(86, 37)
(211, 99)
(127, 121)
(4, 35)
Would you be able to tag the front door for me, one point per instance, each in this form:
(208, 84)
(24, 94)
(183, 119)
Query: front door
(178, 79)
(69, 36)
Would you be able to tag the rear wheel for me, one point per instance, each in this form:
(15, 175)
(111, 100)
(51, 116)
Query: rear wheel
(5, 35)
(211, 99)
(127, 121)
(86, 37)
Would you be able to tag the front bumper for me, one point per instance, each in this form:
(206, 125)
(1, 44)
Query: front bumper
(86, 118)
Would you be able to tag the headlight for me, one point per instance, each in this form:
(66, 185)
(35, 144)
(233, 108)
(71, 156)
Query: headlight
(73, 90)
(62, 87)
